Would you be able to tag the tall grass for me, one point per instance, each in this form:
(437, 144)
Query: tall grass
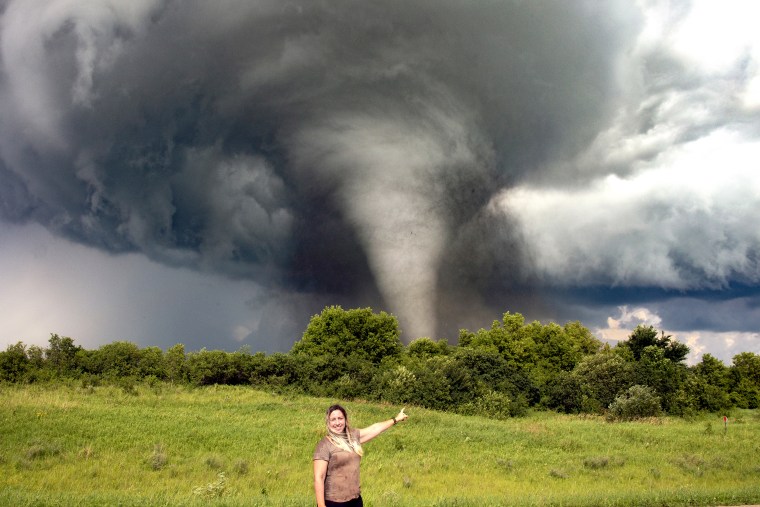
(235, 446)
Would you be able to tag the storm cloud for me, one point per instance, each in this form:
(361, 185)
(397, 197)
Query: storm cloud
(441, 160)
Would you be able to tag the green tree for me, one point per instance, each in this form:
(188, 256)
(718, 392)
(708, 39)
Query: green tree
(176, 367)
(646, 336)
(657, 371)
(396, 385)
(14, 363)
(280, 370)
(432, 388)
(152, 363)
(601, 378)
(581, 340)
(61, 354)
(36, 356)
(425, 347)
(207, 367)
(357, 332)
(566, 395)
(707, 388)
(116, 360)
(493, 372)
(745, 380)
(714, 372)
(503, 338)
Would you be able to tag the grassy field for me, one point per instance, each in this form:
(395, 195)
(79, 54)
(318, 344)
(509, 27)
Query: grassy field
(165, 445)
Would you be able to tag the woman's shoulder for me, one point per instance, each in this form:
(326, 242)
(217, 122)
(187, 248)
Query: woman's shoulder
(323, 449)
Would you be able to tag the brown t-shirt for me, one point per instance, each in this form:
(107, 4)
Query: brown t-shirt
(342, 479)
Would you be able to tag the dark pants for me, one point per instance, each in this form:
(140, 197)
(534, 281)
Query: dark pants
(356, 502)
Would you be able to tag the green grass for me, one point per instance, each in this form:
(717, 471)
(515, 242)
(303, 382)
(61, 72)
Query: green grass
(66, 445)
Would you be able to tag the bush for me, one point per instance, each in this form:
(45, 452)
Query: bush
(356, 332)
(14, 363)
(214, 489)
(637, 403)
(158, 458)
(396, 385)
(495, 404)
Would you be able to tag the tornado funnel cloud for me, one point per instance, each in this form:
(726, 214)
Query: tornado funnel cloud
(391, 175)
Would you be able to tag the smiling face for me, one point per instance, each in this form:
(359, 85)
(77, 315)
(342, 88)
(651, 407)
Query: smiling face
(336, 421)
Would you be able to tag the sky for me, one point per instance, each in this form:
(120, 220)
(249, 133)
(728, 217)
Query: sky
(216, 173)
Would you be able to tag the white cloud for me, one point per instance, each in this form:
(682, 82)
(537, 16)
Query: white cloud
(719, 40)
(686, 220)
(723, 345)
(619, 328)
(714, 35)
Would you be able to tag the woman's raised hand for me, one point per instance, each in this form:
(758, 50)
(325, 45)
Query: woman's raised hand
(401, 416)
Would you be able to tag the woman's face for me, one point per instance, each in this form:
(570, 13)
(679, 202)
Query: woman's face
(337, 421)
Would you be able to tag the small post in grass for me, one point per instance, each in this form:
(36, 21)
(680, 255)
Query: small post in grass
(725, 424)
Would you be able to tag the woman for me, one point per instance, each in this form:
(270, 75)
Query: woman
(337, 458)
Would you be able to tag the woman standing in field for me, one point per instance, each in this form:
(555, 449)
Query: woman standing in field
(337, 458)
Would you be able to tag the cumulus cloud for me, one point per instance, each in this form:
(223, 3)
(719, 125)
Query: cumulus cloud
(721, 344)
(685, 221)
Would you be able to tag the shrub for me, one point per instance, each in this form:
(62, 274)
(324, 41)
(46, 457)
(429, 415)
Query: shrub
(14, 363)
(158, 458)
(214, 489)
(339, 332)
(42, 450)
(214, 462)
(240, 467)
(495, 404)
(396, 385)
(638, 402)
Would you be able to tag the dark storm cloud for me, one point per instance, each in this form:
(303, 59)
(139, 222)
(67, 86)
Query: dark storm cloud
(347, 148)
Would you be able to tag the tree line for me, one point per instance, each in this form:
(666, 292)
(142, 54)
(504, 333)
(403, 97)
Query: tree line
(497, 372)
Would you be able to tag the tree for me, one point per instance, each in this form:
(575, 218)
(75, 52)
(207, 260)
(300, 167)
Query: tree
(503, 338)
(207, 367)
(490, 369)
(657, 371)
(581, 340)
(152, 363)
(61, 354)
(176, 368)
(646, 336)
(602, 377)
(566, 395)
(710, 385)
(550, 346)
(713, 371)
(357, 332)
(116, 360)
(14, 363)
(745, 380)
(425, 347)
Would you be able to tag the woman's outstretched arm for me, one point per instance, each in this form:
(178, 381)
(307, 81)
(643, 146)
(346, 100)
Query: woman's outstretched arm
(370, 432)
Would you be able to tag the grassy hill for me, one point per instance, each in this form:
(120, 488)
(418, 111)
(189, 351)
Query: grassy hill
(167, 445)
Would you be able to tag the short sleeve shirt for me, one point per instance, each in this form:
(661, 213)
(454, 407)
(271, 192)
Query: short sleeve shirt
(342, 479)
